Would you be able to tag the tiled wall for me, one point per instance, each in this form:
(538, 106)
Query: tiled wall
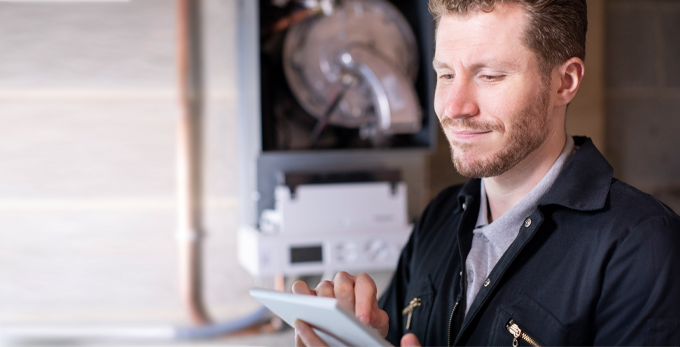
(643, 95)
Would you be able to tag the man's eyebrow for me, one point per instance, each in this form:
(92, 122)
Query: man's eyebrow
(476, 66)
(438, 64)
(490, 63)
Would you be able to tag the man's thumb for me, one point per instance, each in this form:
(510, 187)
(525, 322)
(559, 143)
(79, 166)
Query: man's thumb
(410, 340)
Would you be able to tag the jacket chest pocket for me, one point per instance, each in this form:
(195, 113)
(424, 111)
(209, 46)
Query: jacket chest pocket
(523, 322)
(417, 308)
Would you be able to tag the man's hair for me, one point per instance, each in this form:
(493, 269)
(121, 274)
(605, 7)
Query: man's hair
(556, 30)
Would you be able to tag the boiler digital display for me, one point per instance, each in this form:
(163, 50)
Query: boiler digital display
(306, 254)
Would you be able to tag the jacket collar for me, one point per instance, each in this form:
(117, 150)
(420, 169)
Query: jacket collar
(470, 192)
(582, 185)
(584, 182)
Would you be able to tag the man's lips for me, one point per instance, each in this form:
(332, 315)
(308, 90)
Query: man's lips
(468, 134)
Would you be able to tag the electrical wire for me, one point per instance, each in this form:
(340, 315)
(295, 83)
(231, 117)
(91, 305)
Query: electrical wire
(323, 122)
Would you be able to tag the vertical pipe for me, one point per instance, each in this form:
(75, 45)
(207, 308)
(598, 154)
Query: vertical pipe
(189, 163)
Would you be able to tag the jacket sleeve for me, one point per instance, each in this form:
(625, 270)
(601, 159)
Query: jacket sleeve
(640, 298)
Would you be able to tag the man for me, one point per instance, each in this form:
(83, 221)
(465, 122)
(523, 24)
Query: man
(546, 248)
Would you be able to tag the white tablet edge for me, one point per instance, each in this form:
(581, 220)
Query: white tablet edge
(308, 308)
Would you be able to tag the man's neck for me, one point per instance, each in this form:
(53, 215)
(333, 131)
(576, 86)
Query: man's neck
(505, 191)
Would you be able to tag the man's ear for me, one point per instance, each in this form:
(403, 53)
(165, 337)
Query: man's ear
(570, 77)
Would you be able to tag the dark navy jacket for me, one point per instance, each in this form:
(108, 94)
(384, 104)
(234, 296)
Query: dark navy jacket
(598, 264)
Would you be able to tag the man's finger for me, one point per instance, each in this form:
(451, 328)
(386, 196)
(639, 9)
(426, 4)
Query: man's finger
(380, 321)
(365, 292)
(410, 340)
(343, 286)
(308, 336)
(325, 288)
(298, 341)
(300, 287)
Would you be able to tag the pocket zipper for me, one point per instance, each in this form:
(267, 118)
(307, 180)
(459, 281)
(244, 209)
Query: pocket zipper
(516, 332)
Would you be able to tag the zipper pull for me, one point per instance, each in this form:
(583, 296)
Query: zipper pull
(409, 310)
(515, 331)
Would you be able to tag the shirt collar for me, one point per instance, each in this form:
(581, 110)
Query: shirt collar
(482, 216)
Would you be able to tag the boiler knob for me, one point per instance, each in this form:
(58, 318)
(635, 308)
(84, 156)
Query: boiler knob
(345, 252)
(377, 249)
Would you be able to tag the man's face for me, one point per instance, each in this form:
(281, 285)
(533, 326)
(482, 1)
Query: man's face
(490, 98)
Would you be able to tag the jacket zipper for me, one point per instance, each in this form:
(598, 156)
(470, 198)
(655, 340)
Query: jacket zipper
(516, 332)
(448, 340)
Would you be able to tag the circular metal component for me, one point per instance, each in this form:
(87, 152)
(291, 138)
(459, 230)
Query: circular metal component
(486, 283)
(315, 49)
(527, 222)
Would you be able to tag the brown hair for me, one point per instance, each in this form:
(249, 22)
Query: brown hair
(556, 32)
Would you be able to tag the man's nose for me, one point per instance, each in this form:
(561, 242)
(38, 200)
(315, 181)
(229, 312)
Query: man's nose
(461, 101)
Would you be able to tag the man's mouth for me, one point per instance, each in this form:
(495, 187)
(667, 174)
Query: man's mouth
(467, 134)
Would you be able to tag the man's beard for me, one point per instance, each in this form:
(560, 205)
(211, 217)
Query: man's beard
(528, 132)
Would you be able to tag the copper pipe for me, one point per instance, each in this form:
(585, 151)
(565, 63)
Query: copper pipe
(189, 185)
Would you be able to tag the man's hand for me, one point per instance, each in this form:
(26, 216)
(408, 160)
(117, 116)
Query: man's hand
(306, 337)
(356, 293)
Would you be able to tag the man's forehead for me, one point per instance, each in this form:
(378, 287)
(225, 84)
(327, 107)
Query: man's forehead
(486, 35)
(506, 20)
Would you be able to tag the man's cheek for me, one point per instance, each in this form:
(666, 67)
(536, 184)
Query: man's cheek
(438, 103)
(437, 110)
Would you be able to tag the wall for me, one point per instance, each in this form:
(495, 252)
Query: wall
(88, 111)
(643, 95)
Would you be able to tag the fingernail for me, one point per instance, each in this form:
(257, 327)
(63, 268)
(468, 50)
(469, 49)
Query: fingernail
(363, 319)
(297, 324)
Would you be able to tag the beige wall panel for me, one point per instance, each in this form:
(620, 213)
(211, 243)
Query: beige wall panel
(88, 107)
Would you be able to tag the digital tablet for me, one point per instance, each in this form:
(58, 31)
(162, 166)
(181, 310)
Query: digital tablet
(334, 324)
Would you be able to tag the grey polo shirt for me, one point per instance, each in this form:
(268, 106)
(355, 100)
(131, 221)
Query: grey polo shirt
(490, 241)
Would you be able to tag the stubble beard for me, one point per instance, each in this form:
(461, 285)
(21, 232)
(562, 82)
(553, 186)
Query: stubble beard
(528, 132)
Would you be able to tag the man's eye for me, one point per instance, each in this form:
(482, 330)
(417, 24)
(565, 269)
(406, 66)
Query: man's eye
(493, 77)
(447, 76)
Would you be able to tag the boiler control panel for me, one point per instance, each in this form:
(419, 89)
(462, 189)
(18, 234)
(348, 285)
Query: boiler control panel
(307, 254)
